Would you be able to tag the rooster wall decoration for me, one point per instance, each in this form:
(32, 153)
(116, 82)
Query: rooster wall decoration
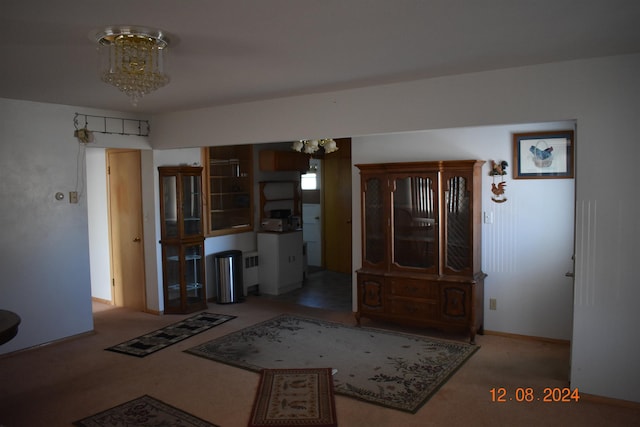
(498, 190)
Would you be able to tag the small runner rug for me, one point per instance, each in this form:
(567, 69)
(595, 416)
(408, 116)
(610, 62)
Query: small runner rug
(294, 397)
(171, 334)
(144, 411)
(396, 370)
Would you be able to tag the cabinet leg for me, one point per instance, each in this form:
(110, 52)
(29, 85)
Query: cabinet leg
(357, 316)
(472, 336)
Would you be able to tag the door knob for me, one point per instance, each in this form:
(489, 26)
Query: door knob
(137, 239)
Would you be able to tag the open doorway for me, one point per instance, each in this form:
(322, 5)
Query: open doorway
(311, 185)
(326, 196)
(326, 211)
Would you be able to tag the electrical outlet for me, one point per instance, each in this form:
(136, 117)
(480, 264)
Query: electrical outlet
(488, 217)
(492, 304)
(73, 197)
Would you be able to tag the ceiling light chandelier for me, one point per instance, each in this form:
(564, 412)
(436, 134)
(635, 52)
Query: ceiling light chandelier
(132, 59)
(310, 146)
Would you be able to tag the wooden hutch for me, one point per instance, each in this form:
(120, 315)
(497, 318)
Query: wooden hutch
(421, 230)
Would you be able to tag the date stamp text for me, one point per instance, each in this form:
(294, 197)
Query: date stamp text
(529, 394)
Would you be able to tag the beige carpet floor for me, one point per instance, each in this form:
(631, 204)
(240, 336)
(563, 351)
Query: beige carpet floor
(57, 384)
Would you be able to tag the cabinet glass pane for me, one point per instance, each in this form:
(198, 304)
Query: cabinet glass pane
(458, 211)
(230, 185)
(193, 272)
(229, 201)
(414, 238)
(191, 205)
(374, 244)
(171, 269)
(170, 205)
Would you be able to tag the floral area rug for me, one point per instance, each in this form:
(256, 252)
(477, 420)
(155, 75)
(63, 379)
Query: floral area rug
(144, 411)
(391, 369)
(294, 397)
(157, 340)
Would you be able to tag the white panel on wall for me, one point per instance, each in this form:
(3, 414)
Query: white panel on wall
(98, 223)
(586, 251)
(499, 237)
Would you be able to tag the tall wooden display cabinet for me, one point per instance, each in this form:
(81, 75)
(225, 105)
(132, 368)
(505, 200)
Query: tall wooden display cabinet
(183, 269)
(421, 249)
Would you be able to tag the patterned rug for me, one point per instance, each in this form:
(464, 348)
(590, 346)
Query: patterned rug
(144, 411)
(391, 369)
(294, 397)
(157, 340)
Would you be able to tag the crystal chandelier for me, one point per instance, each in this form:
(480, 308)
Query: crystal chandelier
(132, 59)
(310, 146)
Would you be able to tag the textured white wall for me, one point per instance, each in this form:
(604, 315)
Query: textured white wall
(45, 243)
(44, 255)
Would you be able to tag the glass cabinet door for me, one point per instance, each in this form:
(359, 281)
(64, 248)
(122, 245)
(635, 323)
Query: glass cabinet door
(374, 239)
(458, 250)
(415, 235)
(170, 206)
(194, 273)
(191, 205)
(171, 273)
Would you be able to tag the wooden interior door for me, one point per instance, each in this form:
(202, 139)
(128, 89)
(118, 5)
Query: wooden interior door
(336, 207)
(125, 228)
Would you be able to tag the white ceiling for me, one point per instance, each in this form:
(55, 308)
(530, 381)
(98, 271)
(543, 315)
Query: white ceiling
(229, 51)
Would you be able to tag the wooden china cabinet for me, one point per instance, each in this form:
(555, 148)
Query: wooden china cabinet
(421, 229)
(182, 239)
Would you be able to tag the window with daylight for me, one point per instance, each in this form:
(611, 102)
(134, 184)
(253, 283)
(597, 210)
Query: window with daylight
(309, 181)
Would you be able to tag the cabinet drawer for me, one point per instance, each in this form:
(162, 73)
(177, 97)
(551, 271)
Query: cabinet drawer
(418, 309)
(413, 288)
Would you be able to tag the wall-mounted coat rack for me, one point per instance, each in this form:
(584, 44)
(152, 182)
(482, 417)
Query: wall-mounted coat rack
(111, 125)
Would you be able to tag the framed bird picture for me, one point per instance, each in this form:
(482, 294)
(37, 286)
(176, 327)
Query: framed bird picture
(539, 155)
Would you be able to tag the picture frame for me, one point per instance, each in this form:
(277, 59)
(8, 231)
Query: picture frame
(543, 155)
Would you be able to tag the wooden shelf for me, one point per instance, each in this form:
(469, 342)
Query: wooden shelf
(229, 189)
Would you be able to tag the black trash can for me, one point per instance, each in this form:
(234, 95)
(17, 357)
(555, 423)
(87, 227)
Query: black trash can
(228, 278)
